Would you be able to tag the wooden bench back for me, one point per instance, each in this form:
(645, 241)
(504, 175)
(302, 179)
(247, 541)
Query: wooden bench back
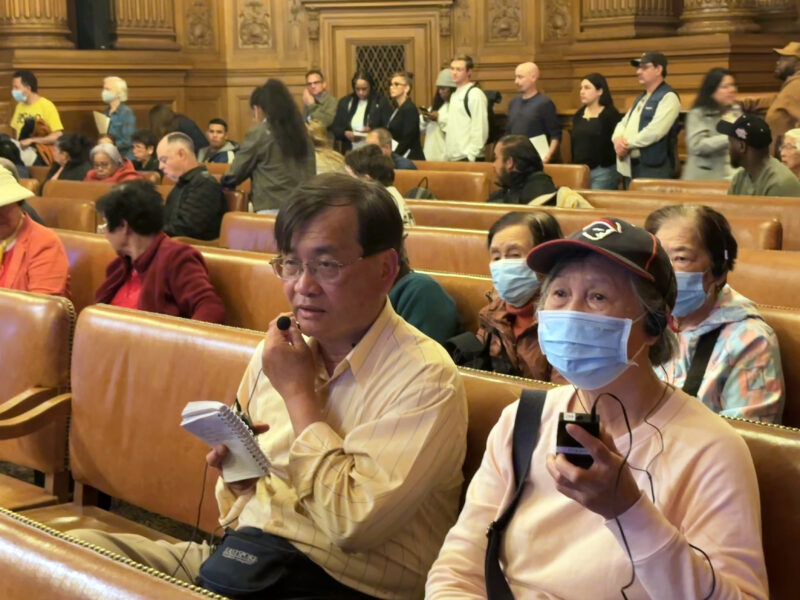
(467, 186)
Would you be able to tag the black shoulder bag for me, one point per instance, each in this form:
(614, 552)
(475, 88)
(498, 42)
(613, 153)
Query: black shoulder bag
(702, 354)
(525, 436)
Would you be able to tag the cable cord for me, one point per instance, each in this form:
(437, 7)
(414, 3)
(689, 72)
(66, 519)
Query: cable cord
(652, 487)
(194, 531)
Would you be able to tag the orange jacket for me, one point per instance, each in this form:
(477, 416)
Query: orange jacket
(126, 172)
(39, 262)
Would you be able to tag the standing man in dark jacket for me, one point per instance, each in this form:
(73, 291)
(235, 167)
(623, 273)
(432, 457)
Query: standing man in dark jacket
(519, 171)
(644, 138)
(195, 206)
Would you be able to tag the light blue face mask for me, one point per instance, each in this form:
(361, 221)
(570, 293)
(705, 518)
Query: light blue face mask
(691, 294)
(514, 281)
(18, 95)
(589, 350)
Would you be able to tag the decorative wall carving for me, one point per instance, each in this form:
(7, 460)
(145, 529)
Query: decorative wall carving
(295, 10)
(444, 22)
(718, 16)
(255, 25)
(625, 19)
(313, 24)
(505, 17)
(144, 24)
(777, 16)
(34, 24)
(559, 22)
(199, 31)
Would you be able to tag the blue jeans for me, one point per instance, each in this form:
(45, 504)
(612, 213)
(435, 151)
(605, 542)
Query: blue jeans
(604, 178)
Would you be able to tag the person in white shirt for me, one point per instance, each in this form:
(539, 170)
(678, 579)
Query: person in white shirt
(434, 118)
(644, 138)
(468, 116)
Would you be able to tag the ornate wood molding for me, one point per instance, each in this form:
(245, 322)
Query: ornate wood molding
(34, 24)
(199, 28)
(505, 20)
(718, 16)
(625, 19)
(777, 16)
(558, 23)
(254, 24)
(143, 24)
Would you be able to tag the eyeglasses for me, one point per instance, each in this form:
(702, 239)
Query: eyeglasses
(101, 165)
(788, 147)
(310, 83)
(324, 271)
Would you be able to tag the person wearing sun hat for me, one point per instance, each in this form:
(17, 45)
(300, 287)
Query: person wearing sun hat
(32, 257)
(784, 112)
(669, 507)
(760, 174)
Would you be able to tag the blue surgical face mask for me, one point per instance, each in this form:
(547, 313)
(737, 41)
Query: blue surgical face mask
(18, 95)
(515, 283)
(108, 96)
(589, 350)
(691, 294)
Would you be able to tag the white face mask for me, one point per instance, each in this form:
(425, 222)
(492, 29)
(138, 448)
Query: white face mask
(108, 96)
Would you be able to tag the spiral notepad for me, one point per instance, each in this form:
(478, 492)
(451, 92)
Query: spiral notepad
(215, 423)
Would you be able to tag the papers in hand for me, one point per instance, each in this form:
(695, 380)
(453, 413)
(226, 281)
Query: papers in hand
(102, 122)
(215, 423)
(624, 166)
(540, 143)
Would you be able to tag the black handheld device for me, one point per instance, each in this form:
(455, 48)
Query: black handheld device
(569, 446)
(284, 323)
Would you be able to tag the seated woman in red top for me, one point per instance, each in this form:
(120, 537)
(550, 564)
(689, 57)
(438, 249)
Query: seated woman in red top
(153, 272)
(109, 166)
(32, 257)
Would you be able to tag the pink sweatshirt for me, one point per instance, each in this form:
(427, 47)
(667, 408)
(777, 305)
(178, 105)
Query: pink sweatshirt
(706, 494)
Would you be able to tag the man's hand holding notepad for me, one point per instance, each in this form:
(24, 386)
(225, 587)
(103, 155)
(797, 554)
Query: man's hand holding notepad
(215, 423)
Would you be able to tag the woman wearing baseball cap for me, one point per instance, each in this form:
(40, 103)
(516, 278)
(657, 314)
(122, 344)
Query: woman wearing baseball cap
(32, 257)
(669, 506)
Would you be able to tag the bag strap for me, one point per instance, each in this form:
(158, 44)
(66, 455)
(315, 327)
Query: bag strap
(697, 368)
(466, 99)
(525, 436)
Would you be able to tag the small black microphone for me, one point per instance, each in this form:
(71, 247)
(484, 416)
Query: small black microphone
(284, 323)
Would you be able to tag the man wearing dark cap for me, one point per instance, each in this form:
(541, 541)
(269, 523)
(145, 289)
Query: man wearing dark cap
(784, 112)
(644, 138)
(761, 175)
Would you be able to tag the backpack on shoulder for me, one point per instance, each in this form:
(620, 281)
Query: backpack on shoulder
(497, 123)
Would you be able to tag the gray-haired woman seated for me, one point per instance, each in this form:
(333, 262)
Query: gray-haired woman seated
(666, 505)
(109, 166)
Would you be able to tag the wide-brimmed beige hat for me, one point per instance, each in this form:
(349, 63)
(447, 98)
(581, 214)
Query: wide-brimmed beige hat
(10, 190)
(790, 49)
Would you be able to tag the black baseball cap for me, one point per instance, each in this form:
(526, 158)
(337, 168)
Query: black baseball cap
(652, 58)
(752, 130)
(631, 247)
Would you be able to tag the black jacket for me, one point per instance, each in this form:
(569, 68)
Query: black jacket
(524, 188)
(195, 206)
(376, 115)
(404, 125)
(72, 171)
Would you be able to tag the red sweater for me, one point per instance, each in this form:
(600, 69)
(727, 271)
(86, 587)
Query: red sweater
(126, 172)
(174, 281)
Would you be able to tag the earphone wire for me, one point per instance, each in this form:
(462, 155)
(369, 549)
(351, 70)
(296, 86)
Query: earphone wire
(203, 492)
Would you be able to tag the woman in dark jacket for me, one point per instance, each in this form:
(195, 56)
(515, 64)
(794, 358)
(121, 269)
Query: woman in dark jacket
(404, 121)
(164, 120)
(71, 158)
(359, 112)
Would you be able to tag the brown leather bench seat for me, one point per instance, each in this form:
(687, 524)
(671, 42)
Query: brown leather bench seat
(679, 186)
(87, 190)
(573, 176)
(786, 210)
(66, 213)
(132, 374)
(751, 231)
(35, 342)
(786, 324)
(38, 562)
(467, 186)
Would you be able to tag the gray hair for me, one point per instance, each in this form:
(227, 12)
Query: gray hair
(795, 135)
(178, 137)
(122, 86)
(109, 150)
(649, 298)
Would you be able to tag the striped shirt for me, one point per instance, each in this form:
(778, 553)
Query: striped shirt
(370, 492)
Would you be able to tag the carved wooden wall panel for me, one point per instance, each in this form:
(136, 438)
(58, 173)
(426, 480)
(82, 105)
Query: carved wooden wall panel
(714, 16)
(145, 24)
(34, 24)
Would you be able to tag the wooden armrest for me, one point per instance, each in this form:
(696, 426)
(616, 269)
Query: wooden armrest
(195, 242)
(37, 417)
(25, 401)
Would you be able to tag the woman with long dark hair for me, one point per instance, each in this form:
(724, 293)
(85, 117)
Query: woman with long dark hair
(70, 158)
(277, 153)
(592, 129)
(164, 120)
(707, 148)
(359, 112)
(404, 120)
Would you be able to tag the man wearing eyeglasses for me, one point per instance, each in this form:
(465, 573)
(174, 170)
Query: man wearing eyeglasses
(319, 105)
(367, 423)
